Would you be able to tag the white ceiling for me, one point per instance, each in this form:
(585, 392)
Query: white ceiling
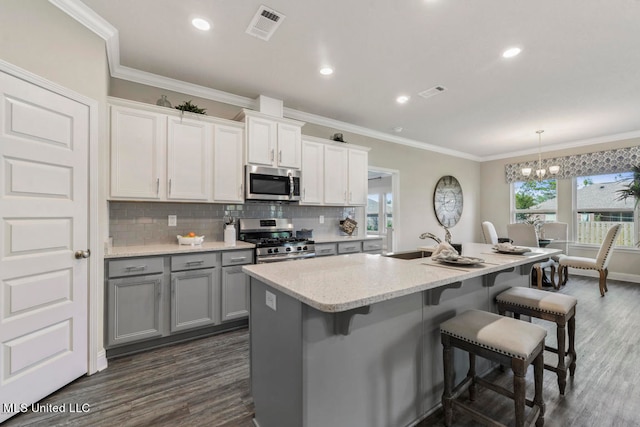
(578, 76)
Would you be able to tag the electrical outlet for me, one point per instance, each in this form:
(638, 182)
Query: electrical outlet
(173, 220)
(271, 300)
(321, 219)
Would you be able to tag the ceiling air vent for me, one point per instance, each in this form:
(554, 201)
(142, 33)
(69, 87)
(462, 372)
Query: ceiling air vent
(265, 22)
(432, 92)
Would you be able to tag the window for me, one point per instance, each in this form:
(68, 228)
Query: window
(598, 207)
(535, 201)
(373, 213)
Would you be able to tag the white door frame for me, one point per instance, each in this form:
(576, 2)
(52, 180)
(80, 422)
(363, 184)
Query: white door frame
(96, 353)
(395, 191)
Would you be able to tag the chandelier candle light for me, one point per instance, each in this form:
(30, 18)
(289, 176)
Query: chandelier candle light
(541, 172)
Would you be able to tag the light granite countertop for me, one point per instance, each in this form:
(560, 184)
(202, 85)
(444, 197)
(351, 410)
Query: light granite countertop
(170, 249)
(340, 283)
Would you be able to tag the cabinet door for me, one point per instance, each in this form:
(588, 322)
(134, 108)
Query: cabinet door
(194, 299)
(138, 146)
(235, 293)
(227, 164)
(335, 175)
(312, 173)
(289, 146)
(188, 159)
(134, 309)
(358, 177)
(261, 141)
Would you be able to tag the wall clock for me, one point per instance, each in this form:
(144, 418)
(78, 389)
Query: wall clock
(447, 201)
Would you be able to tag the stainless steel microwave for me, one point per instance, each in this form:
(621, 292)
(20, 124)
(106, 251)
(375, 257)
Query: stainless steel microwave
(263, 183)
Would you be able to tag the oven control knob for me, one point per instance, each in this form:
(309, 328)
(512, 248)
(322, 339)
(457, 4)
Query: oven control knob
(304, 248)
(269, 251)
(275, 251)
(288, 249)
(299, 248)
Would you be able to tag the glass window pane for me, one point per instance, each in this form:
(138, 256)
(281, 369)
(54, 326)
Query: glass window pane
(373, 209)
(599, 207)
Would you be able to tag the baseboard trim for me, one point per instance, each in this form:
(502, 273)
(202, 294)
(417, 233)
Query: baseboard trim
(624, 277)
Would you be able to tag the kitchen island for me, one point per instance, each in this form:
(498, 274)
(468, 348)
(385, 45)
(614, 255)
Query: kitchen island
(354, 340)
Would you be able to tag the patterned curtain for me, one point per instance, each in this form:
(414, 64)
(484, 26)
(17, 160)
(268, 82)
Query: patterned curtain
(598, 163)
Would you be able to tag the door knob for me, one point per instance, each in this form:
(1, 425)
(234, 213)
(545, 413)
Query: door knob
(83, 254)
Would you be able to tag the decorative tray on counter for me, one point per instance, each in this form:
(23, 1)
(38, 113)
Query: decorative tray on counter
(458, 260)
(506, 248)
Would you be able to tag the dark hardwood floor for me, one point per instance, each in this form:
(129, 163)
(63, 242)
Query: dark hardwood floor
(206, 382)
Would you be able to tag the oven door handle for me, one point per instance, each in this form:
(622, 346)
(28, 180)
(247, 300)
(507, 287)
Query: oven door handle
(285, 258)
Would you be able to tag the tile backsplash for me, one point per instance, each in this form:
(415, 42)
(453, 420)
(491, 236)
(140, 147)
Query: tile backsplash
(146, 223)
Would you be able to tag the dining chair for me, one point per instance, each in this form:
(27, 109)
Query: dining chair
(559, 232)
(523, 234)
(600, 263)
(489, 233)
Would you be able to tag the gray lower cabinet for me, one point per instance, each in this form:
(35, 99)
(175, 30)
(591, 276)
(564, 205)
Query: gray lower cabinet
(326, 249)
(134, 308)
(235, 285)
(349, 247)
(194, 291)
(373, 246)
(193, 299)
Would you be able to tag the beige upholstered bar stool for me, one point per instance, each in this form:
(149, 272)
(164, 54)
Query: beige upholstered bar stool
(553, 307)
(501, 339)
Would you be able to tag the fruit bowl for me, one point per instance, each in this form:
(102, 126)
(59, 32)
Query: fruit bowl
(185, 240)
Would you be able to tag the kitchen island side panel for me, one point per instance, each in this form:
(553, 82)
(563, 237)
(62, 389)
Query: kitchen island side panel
(370, 377)
(276, 358)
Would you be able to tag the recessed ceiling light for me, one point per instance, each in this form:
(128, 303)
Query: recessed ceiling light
(511, 52)
(201, 24)
(326, 71)
(402, 99)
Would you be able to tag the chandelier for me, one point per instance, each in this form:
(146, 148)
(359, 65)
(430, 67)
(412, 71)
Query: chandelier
(540, 171)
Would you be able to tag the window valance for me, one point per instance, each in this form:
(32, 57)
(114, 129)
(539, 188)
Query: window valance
(600, 162)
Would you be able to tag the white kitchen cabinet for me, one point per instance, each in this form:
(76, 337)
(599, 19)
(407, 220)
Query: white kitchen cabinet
(345, 176)
(312, 180)
(138, 154)
(188, 159)
(161, 154)
(273, 141)
(335, 175)
(358, 182)
(228, 144)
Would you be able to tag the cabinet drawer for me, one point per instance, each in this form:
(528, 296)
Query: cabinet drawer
(135, 266)
(237, 257)
(326, 249)
(371, 245)
(195, 261)
(349, 247)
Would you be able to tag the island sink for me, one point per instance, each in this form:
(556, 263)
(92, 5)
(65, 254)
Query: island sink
(408, 254)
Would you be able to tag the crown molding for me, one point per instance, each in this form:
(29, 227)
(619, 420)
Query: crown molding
(94, 22)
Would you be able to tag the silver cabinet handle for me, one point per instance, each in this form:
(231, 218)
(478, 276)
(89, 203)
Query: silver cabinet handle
(325, 251)
(280, 156)
(169, 186)
(136, 267)
(350, 196)
(157, 186)
(238, 259)
(272, 154)
(195, 262)
(240, 194)
(345, 195)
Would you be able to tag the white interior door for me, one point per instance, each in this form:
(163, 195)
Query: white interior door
(43, 221)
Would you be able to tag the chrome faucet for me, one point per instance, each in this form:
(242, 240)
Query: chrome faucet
(430, 236)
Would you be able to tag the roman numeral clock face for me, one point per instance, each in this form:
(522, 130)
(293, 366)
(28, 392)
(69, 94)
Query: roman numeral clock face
(447, 201)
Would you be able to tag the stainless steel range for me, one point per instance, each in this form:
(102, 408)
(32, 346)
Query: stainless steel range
(274, 240)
